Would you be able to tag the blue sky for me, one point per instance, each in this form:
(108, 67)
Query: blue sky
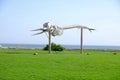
(18, 17)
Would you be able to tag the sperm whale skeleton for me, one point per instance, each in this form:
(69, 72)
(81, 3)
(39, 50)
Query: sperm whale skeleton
(56, 30)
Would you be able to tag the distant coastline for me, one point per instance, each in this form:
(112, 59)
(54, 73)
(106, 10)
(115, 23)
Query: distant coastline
(38, 46)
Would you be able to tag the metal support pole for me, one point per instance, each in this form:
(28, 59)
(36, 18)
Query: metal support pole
(81, 42)
(49, 33)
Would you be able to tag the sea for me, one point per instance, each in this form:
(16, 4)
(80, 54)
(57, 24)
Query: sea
(41, 46)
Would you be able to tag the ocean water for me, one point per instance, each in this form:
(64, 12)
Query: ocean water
(95, 47)
(38, 46)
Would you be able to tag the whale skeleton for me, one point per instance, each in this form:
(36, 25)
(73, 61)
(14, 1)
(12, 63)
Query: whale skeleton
(56, 30)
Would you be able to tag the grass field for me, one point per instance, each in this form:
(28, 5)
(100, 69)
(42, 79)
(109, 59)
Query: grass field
(66, 65)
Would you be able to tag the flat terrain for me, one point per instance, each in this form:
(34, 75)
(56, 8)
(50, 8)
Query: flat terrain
(66, 65)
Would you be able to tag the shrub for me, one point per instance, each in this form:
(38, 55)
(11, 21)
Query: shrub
(54, 47)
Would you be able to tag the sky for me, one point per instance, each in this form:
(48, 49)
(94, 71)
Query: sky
(19, 17)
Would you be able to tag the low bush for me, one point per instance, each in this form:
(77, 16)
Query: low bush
(54, 47)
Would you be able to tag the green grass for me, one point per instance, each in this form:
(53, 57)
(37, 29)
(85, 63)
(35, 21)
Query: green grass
(66, 65)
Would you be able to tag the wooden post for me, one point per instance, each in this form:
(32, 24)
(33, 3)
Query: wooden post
(49, 33)
(81, 42)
